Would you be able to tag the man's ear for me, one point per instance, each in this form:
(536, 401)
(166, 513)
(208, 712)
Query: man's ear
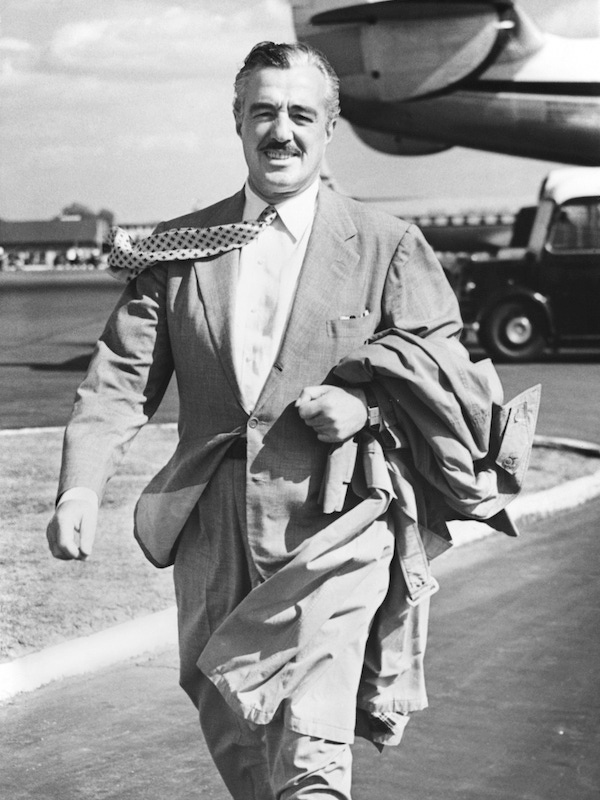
(330, 129)
(238, 123)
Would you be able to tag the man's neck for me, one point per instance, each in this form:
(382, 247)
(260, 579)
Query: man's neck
(295, 212)
(310, 190)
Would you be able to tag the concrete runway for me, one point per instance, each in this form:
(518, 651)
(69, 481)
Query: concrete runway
(512, 672)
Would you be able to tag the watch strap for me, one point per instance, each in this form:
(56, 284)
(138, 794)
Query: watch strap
(373, 411)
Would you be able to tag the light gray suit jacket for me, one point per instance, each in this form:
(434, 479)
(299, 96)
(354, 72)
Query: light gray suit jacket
(364, 271)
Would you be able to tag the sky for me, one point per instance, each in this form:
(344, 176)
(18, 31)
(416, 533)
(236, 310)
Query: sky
(125, 105)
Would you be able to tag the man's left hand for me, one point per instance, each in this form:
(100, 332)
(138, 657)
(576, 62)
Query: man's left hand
(335, 414)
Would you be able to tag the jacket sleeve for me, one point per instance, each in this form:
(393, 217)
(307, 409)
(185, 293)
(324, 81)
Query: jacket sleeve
(417, 300)
(417, 296)
(127, 378)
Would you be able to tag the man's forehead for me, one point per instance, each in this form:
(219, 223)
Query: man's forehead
(302, 83)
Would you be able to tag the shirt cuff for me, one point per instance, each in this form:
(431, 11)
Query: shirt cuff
(79, 493)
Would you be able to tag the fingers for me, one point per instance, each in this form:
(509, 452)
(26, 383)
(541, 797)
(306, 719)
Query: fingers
(71, 530)
(307, 396)
(61, 540)
(334, 413)
(87, 533)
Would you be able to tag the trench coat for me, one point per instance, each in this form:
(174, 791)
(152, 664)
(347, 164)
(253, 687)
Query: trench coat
(447, 448)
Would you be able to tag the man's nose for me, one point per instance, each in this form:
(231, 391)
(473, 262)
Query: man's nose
(282, 129)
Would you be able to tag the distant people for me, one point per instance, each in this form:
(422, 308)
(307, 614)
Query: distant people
(15, 260)
(73, 257)
(259, 509)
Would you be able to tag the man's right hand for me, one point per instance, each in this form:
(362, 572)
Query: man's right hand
(72, 529)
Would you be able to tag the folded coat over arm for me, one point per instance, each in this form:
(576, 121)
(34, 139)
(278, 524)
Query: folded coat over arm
(448, 449)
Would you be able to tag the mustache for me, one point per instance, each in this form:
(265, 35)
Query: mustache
(283, 147)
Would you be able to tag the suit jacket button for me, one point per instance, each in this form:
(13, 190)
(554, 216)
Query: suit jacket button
(253, 422)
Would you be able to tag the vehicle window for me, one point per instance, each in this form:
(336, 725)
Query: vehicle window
(576, 226)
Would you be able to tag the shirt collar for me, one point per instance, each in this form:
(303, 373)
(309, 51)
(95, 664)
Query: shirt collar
(296, 213)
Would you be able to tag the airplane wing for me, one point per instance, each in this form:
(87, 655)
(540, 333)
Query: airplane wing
(401, 50)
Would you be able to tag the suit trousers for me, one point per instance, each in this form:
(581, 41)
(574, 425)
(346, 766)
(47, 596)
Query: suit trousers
(300, 754)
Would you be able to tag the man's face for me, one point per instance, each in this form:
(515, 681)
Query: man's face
(284, 129)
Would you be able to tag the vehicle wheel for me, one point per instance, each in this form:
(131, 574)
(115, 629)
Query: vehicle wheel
(513, 331)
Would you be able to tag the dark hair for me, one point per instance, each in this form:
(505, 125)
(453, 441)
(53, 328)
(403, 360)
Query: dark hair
(284, 56)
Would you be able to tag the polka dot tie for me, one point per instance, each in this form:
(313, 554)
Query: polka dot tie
(126, 260)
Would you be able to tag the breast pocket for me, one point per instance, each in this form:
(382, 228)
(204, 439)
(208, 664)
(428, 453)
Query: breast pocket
(358, 328)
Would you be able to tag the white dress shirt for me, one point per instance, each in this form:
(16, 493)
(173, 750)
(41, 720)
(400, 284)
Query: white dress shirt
(269, 267)
(268, 272)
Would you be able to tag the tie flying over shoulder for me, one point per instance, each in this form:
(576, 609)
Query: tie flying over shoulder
(126, 259)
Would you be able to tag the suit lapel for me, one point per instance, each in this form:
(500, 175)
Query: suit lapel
(330, 259)
(217, 278)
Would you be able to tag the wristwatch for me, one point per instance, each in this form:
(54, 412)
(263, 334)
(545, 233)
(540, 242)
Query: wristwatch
(373, 412)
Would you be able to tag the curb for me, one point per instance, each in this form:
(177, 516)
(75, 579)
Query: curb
(131, 639)
(155, 632)
(533, 507)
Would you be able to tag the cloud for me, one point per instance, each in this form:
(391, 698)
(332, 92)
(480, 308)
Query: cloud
(154, 41)
(571, 18)
(579, 18)
(16, 47)
(16, 56)
(173, 141)
(124, 103)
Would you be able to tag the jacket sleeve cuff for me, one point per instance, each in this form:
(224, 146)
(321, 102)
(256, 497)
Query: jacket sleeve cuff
(79, 493)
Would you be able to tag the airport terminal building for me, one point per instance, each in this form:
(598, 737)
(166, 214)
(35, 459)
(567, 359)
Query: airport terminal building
(66, 241)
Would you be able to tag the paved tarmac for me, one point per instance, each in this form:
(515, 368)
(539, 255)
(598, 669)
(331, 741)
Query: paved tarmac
(570, 383)
(512, 677)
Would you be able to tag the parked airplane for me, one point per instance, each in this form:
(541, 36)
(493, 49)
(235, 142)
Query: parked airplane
(419, 76)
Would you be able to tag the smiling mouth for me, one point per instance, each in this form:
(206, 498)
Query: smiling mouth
(279, 155)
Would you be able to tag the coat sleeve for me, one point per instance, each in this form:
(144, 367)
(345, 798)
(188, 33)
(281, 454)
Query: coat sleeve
(127, 378)
(417, 296)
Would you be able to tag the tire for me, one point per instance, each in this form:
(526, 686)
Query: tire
(513, 331)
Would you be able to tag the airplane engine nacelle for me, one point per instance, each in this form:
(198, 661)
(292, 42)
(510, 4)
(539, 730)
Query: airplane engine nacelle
(396, 144)
(400, 50)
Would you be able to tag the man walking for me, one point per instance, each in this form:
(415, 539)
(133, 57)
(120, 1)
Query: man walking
(253, 332)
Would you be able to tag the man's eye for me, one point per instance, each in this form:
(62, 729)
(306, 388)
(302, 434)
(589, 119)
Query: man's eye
(262, 113)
